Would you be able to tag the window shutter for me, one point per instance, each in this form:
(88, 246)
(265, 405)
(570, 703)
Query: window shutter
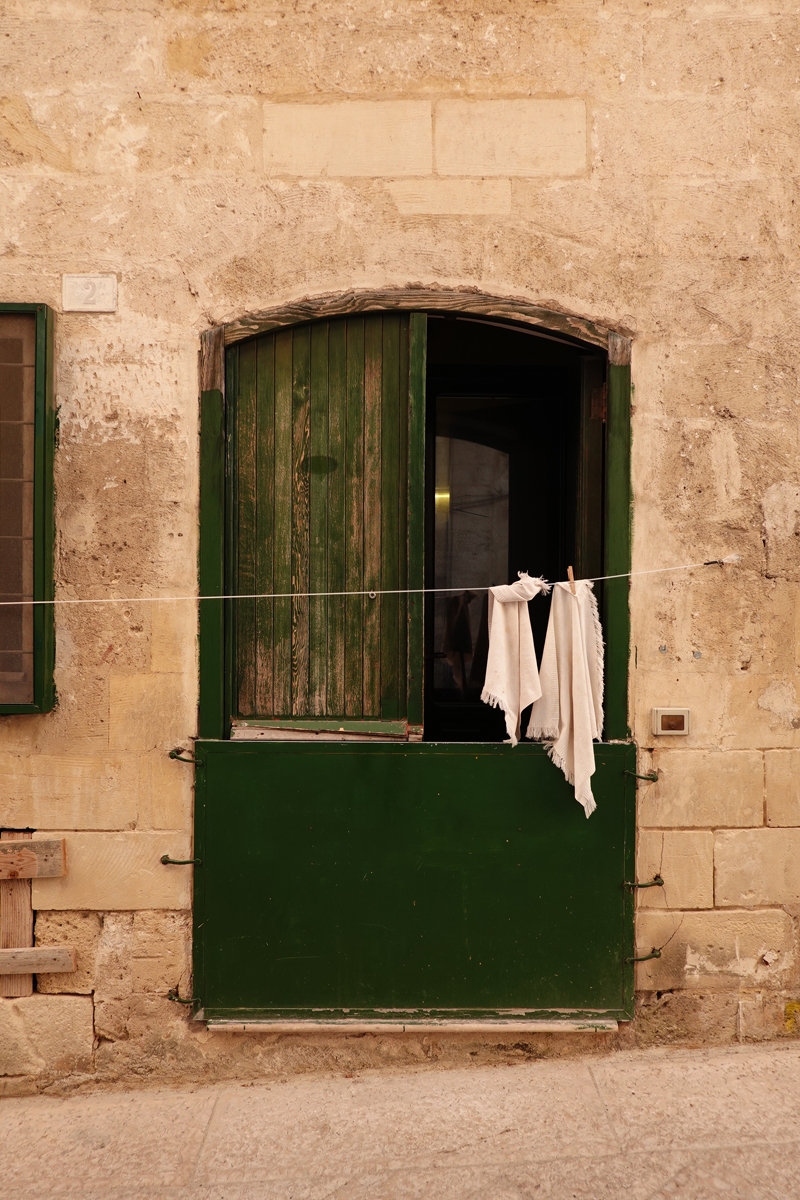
(325, 415)
(27, 429)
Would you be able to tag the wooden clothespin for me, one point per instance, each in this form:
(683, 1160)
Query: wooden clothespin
(571, 579)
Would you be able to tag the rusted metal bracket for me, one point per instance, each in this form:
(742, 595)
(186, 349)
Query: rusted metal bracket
(173, 995)
(656, 881)
(178, 755)
(645, 957)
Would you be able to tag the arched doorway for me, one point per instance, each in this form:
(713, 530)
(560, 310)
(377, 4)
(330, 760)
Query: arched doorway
(369, 845)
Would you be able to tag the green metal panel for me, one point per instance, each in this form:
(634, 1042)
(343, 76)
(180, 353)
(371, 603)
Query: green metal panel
(458, 879)
(616, 623)
(44, 697)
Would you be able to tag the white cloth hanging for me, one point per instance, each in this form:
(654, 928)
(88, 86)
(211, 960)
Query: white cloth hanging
(569, 713)
(512, 679)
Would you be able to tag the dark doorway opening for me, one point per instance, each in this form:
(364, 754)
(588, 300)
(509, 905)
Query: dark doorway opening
(514, 482)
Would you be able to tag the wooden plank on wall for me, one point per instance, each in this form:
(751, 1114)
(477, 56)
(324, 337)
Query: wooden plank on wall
(16, 922)
(26, 859)
(39, 959)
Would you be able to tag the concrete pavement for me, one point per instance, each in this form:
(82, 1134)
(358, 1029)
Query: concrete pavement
(643, 1125)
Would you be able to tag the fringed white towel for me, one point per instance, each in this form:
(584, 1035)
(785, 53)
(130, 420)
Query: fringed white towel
(512, 680)
(569, 713)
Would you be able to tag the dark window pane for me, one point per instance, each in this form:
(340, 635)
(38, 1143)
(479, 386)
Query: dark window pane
(18, 338)
(11, 508)
(11, 452)
(11, 381)
(11, 560)
(16, 393)
(16, 678)
(11, 627)
(10, 350)
(17, 401)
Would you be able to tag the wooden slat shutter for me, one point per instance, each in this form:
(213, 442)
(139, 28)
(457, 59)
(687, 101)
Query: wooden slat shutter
(325, 418)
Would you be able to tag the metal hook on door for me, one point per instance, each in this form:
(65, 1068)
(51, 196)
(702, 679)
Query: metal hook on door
(656, 881)
(178, 755)
(173, 995)
(645, 957)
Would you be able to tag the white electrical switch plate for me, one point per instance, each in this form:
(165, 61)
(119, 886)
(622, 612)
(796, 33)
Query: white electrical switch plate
(672, 722)
(89, 293)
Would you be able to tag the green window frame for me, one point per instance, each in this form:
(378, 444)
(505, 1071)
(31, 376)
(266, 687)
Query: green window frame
(30, 505)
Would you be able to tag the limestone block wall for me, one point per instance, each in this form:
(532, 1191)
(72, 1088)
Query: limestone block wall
(629, 162)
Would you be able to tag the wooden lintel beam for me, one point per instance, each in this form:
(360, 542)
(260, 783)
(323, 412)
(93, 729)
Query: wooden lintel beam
(45, 859)
(38, 960)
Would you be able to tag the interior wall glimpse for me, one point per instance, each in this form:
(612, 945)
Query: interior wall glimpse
(510, 484)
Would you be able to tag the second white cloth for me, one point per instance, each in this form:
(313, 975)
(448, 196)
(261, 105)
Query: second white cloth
(569, 712)
(512, 678)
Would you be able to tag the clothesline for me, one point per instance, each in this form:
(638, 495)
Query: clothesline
(372, 594)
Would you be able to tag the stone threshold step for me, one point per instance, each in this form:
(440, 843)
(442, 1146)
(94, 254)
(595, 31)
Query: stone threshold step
(555, 1025)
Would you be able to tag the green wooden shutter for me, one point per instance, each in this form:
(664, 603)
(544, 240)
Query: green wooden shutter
(329, 494)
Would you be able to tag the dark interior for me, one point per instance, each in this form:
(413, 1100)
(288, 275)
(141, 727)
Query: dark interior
(504, 489)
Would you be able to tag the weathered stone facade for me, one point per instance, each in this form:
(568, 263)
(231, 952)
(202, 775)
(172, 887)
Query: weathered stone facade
(628, 162)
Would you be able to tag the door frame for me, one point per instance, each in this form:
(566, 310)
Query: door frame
(214, 654)
(215, 516)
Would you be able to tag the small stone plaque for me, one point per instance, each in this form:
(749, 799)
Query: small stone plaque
(89, 293)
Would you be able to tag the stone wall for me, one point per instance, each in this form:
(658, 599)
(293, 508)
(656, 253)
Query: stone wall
(629, 162)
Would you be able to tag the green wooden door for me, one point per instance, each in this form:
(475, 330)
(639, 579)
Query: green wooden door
(455, 878)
